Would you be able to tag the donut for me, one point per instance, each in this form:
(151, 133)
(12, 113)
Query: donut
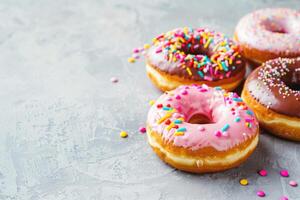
(268, 34)
(273, 92)
(202, 129)
(186, 56)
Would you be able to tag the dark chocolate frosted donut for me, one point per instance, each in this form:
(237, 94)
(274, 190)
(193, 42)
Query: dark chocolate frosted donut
(273, 92)
(187, 56)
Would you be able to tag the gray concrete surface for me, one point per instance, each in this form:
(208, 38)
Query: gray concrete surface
(60, 115)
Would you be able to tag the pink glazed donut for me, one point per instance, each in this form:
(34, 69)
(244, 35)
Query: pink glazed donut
(202, 129)
(269, 33)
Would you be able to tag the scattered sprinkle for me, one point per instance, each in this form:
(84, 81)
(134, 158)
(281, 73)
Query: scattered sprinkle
(261, 193)
(114, 80)
(263, 172)
(244, 182)
(123, 134)
(131, 60)
(293, 183)
(151, 102)
(142, 129)
(284, 173)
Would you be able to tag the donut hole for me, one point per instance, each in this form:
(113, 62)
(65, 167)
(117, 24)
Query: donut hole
(200, 118)
(195, 49)
(275, 26)
(292, 80)
(293, 85)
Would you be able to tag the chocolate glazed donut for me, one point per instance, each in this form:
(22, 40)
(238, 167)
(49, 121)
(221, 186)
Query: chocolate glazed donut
(186, 56)
(273, 92)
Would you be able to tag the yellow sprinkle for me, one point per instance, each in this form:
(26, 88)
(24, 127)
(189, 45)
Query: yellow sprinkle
(154, 40)
(151, 102)
(220, 66)
(207, 43)
(131, 60)
(123, 134)
(244, 182)
(179, 133)
(181, 118)
(170, 57)
(189, 71)
(170, 126)
(168, 114)
(146, 46)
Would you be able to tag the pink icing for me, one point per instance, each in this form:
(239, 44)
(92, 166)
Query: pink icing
(273, 29)
(229, 116)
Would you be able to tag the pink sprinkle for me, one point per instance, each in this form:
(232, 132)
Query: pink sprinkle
(225, 134)
(142, 129)
(201, 128)
(184, 92)
(261, 193)
(293, 183)
(284, 173)
(284, 198)
(178, 97)
(203, 90)
(218, 133)
(263, 172)
(158, 50)
(136, 56)
(114, 80)
(136, 50)
(169, 99)
(178, 108)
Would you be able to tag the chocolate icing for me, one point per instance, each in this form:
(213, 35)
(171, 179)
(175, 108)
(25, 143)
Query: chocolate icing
(276, 84)
(158, 59)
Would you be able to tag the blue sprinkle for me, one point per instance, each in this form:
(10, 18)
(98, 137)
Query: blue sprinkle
(237, 99)
(218, 88)
(249, 112)
(237, 119)
(182, 129)
(201, 74)
(225, 128)
(224, 66)
(177, 121)
(167, 108)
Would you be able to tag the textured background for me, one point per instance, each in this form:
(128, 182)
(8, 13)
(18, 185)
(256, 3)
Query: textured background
(60, 115)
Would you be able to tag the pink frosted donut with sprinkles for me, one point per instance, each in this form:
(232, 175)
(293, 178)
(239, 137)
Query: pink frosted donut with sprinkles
(273, 92)
(269, 33)
(187, 56)
(201, 129)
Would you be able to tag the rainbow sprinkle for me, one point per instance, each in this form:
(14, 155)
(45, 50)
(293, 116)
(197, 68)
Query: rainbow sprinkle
(200, 52)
